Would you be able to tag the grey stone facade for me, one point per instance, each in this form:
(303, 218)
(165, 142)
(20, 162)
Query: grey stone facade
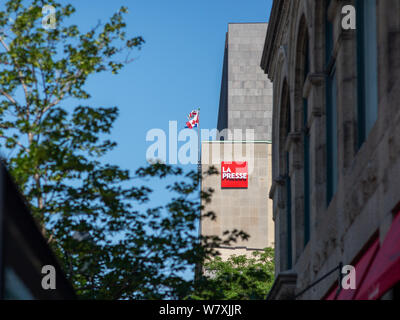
(368, 174)
(245, 103)
(246, 92)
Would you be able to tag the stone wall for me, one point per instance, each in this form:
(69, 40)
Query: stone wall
(246, 92)
(245, 103)
(248, 210)
(369, 176)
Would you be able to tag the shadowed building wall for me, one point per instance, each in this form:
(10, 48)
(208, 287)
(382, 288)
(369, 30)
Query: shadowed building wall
(336, 143)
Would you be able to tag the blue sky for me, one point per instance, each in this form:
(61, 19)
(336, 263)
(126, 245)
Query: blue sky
(178, 68)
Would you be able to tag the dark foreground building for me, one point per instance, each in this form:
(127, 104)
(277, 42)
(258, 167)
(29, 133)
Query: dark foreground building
(336, 147)
(24, 251)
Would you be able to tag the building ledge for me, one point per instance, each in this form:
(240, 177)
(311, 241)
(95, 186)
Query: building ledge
(284, 286)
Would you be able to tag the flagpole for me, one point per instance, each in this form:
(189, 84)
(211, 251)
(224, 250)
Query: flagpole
(199, 163)
(199, 267)
(199, 144)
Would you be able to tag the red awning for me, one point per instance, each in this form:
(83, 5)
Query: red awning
(331, 295)
(362, 266)
(384, 272)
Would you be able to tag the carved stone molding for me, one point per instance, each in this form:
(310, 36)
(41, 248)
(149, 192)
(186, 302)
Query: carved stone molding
(316, 79)
(279, 181)
(293, 137)
(284, 286)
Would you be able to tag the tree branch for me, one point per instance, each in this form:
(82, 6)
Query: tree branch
(10, 98)
(17, 143)
(64, 91)
(20, 75)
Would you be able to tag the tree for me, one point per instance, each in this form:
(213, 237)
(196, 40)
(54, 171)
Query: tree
(96, 216)
(237, 278)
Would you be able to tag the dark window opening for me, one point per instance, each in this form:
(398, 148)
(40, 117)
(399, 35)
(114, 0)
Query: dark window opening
(367, 68)
(331, 115)
(306, 137)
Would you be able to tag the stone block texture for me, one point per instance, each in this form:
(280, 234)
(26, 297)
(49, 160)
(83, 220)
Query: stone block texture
(368, 181)
(248, 210)
(246, 92)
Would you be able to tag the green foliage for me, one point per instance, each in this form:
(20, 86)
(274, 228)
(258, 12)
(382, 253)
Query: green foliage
(97, 217)
(238, 278)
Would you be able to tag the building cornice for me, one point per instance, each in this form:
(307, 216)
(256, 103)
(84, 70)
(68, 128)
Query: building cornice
(284, 286)
(270, 39)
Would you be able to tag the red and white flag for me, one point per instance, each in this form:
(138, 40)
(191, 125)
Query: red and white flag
(193, 118)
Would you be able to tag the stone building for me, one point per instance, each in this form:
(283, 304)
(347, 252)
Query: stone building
(336, 146)
(244, 124)
(246, 92)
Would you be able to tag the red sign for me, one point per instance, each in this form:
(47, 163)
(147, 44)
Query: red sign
(234, 175)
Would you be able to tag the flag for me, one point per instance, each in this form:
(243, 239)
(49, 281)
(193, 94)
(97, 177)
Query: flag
(192, 123)
(193, 118)
(192, 114)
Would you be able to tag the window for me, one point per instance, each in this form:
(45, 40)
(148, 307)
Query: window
(286, 128)
(288, 184)
(306, 139)
(332, 139)
(289, 215)
(331, 116)
(367, 68)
